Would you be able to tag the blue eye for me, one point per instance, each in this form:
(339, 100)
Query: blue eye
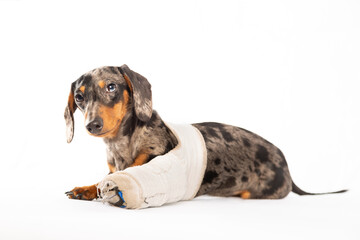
(111, 87)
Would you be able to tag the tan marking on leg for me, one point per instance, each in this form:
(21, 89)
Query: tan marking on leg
(84, 193)
(101, 84)
(243, 194)
(112, 168)
(140, 159)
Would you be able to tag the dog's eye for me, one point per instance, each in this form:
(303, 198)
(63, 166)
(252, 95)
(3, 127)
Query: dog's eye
(111, 87)
(79, 98)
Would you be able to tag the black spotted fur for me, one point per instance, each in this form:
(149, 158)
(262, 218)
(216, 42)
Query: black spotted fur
(238, 160)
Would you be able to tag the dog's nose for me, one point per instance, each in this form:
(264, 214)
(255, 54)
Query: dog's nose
(95, 126)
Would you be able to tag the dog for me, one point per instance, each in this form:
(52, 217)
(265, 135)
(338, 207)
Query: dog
(117, 105)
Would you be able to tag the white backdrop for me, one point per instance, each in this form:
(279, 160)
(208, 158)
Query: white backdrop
(286, 70)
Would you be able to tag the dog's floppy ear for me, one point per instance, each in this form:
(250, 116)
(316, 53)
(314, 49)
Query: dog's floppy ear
(69, 115)
(141, 90)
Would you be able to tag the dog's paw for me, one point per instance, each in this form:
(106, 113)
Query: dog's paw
(109, 192)
(83, 193)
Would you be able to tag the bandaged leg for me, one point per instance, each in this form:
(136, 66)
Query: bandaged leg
(169, 178)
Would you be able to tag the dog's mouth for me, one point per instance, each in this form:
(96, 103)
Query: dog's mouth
(112, 131)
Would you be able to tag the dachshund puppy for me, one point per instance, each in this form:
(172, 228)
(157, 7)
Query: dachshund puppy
(117, 106)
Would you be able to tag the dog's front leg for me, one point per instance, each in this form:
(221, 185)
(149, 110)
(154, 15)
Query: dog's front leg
(83, 193)
(88, 192)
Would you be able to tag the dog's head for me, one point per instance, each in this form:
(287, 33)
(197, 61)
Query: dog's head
(104, 95)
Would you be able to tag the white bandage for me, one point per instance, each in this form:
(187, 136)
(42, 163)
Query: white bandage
(169, 178)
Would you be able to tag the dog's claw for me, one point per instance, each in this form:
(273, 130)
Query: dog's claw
(72, 195)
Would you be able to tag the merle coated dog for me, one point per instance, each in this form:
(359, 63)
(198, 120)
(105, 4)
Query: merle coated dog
(117, 106)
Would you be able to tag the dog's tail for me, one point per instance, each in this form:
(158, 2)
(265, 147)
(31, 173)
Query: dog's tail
(297, 190)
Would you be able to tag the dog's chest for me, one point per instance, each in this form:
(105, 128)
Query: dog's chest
(119, 154)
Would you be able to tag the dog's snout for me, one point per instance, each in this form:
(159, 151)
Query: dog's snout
(95, 126)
